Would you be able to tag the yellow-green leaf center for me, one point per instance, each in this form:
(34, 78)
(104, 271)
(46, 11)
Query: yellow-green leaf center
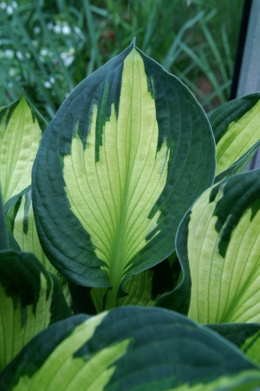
(113, 196)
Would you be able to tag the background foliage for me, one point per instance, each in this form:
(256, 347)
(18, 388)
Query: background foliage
(47, 48)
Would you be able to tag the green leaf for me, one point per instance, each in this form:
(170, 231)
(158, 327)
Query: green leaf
(4, 237)
(179, 298)
(145, 288)
(141, 289)
(127, 153)
(21, 223)
(20, 134)
(30, 300)
(133, 348)
(236, 127)
(246, 336)
(219, 241)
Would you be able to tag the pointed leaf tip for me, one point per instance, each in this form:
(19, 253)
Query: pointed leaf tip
(133, 42)
(136, 181)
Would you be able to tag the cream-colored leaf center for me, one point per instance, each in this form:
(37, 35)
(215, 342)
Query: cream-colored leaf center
(224, 289)
(114, 195)
(19, 141)
(239, 138)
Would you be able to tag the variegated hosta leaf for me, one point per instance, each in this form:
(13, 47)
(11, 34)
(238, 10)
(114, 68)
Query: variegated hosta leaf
(146, 287)
(220, 241)
(126, 155)
(133, 348)
(138, 288)
(21, 223)
(141, 289)
(246, 336)
(236, 127)
(20, 133)
(30, 300)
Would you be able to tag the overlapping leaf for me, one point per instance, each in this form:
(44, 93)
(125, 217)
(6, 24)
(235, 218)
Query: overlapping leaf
(30, 300)
(20, 133)
(246, 336)
(145, 288)
(236, 127)
(142, 289)
(131, 348)
(219, 240)
(21, 224)
(126, 155)
(179, 298)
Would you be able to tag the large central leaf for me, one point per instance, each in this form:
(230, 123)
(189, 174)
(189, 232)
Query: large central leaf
(127, 153)
(113, 196)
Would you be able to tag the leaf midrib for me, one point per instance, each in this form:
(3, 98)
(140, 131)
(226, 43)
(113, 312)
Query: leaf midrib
(117, 264)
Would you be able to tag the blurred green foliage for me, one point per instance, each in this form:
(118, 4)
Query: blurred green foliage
(47, 48)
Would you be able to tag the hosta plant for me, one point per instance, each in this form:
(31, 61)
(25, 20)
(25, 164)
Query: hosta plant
(130, 259)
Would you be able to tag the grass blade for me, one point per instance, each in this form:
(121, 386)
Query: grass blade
(171, 55)
(92, 33)
(214, 49)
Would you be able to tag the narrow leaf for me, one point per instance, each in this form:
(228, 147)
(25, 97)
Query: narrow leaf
(125, 151)
(236, 127)
(132, 348)
(219, 240)
(20, 134)
(30, 300)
